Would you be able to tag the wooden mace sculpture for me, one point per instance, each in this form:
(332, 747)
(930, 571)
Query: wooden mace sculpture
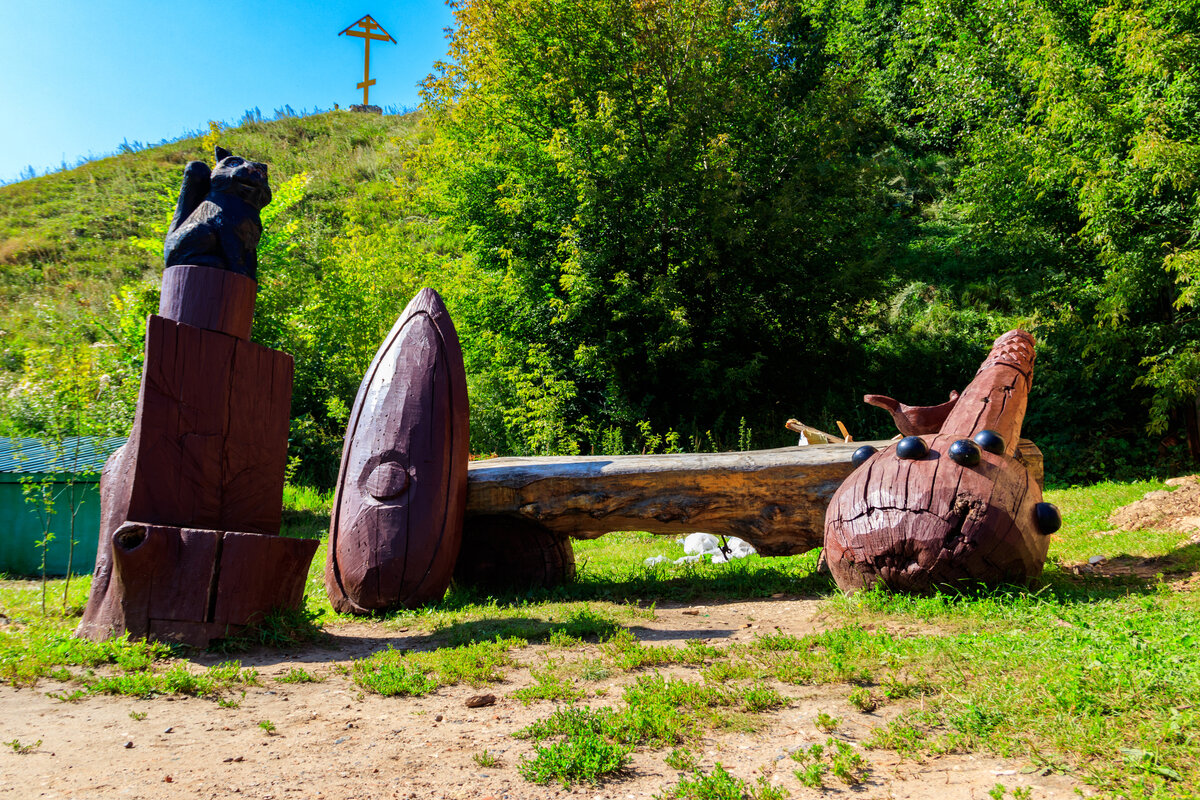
(946, 505)
(190, 506)
(398, 511)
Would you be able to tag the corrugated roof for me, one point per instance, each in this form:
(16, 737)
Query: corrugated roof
(72, 454)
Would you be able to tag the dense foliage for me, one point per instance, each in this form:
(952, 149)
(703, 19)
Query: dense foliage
(685, 218)
(702, 209)
(668, 223)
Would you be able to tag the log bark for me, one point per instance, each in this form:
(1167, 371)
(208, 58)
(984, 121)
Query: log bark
(773, 499)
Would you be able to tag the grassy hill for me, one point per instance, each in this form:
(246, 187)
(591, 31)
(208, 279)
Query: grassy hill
(65, 238)
(80, 259)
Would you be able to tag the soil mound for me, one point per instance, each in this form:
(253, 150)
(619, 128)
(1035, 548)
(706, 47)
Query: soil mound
(1173, 510)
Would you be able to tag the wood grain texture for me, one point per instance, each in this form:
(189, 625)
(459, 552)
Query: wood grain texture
(190, 505)
(211, 431)
(396, 526)
(773, 499)
(915, 525)
(209, 297)
(192, 586)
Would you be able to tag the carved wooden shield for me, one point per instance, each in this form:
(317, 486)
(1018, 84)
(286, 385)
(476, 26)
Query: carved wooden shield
(397, 516)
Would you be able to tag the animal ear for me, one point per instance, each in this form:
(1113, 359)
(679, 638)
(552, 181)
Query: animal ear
(222, 153)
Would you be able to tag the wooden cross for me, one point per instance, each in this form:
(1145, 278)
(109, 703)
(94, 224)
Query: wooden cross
(367, 32)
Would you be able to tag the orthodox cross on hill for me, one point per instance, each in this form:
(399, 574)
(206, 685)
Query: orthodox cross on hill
(368, 29)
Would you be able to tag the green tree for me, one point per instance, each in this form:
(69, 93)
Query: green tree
(677, 198)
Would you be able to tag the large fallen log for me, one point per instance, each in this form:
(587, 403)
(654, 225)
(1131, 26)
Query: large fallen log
(773, 499)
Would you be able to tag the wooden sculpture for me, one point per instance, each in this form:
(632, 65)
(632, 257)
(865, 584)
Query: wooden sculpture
(523, 512)
(948, 508)
(191, 504)
(216, 221)
(397, 516)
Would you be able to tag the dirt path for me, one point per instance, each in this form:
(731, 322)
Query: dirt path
(332, 741)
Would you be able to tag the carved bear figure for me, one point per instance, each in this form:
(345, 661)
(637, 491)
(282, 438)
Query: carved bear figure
(216, 222)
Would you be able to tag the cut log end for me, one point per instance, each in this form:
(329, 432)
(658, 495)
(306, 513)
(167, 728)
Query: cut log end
(504, 554)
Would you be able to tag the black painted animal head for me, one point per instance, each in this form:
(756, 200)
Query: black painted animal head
(242, 177)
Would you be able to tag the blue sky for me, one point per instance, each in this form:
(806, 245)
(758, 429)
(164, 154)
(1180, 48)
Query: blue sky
(79, 78)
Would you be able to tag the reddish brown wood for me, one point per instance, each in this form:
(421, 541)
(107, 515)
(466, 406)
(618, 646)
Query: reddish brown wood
(210, 298)
(191, 505)
(212, 430)
(191, 586)
(913, 420)
(917, 524)
(397, 516)
(257, 573)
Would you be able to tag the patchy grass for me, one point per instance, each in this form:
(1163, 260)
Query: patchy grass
(660, 712)
(583, 758)
(720, 785)
(550, 684)
(395, 672)
(175, 679)
(299, 675)
(1084, 674)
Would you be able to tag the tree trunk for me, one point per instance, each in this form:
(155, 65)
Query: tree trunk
(773, 499)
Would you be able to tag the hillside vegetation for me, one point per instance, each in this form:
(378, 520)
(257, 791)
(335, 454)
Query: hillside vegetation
(672, 224)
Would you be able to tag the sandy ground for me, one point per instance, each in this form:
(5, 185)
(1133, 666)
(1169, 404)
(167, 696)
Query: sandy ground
(333, 741)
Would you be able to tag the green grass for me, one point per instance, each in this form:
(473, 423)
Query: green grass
(583, 758)
(835, 757)
(1088, 675)
(175, 679)
(1086, 532)
(661, 712)
(299, 675)
(394, 672)
(549, 684)
(720, 785)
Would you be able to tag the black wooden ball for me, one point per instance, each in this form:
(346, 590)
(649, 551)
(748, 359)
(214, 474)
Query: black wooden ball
(862, 454)
(991, 441)
(913, 447)
(1047, 517)
(964, 452)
